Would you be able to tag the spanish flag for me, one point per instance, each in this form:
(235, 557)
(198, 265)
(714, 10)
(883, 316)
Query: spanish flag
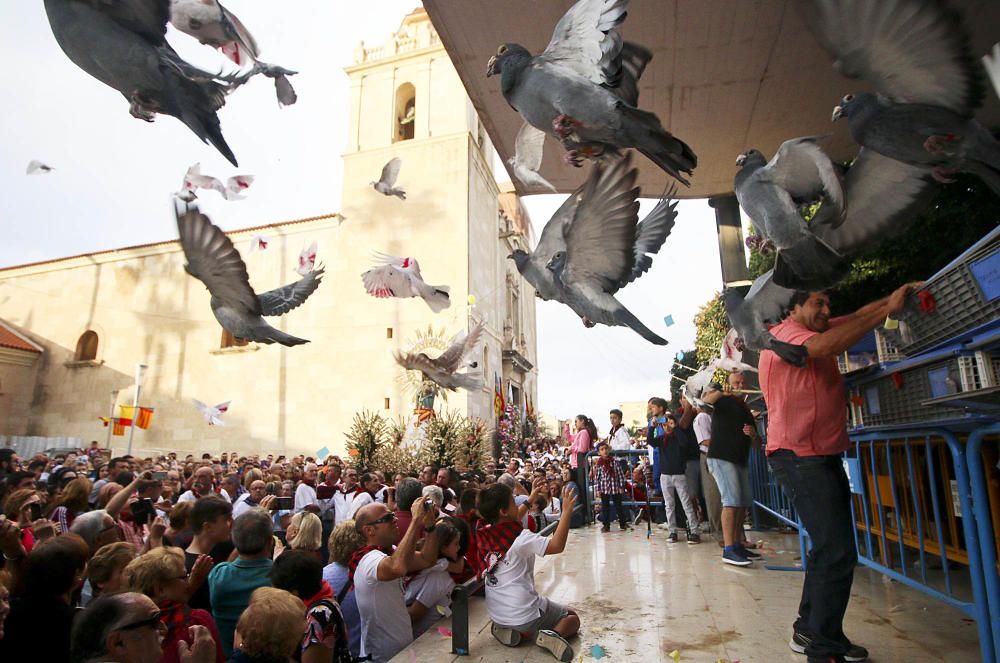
(498, 402)
(144, 418)
(126, 411)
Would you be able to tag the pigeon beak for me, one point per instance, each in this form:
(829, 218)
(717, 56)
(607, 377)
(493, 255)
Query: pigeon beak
(741, 159)
(838, 113)
(510, 257)
(491, 66)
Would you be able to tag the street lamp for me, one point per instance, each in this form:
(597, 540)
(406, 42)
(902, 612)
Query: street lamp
(111, 418)
(140, 375)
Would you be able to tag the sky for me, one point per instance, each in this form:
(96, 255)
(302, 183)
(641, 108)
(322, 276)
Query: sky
(114, 175)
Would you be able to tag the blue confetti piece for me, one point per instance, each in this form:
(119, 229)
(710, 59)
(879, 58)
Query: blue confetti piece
(597, 652)
(323, 453)
(668, 320)
(461, 652)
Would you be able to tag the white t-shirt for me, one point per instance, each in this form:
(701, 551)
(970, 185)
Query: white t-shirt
(359, 501)
(189, 496)
(385, 623)
(512, 599)
(432, 588)
(552, 510)
(343, 503)
(703, 430)
(620, 441)
(242, 505)
(305, 495)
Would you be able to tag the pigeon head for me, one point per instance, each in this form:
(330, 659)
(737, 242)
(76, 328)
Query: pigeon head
(751, 157)
(507, 54)
(557, 262)
(520, 259)
(850, 103)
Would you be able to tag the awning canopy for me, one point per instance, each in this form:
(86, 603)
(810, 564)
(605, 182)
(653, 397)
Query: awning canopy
(726, 75)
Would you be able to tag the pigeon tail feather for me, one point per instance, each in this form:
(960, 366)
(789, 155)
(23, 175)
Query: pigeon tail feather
(796, 355)
(646, 134)
(626, 318)
(195, 104)
(438, 299)
(809, 264)
(270, 334)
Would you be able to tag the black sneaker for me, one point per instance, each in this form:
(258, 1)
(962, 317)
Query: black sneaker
(555, 644)
(672, 537)
(854, 654)
(749, 554)
(693, 538)
(506, 636)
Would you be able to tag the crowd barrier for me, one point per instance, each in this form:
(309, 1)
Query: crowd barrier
(925, 507)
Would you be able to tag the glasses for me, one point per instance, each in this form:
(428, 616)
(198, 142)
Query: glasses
(153, 620)
(387, 518)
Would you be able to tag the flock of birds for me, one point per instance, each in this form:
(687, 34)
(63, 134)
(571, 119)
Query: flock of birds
(917, 128)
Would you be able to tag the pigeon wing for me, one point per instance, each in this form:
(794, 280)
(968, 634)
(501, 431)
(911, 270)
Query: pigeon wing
(390, 171)
(147, 18)
(586, 42)
(213, 260)
(282, 300)
(912, 51)
(387, 281)
(650, 235)
(235, 28)
(601, 238)
(528, 147)
(451, 359)
(803, 169)
(882, 195)
(409, 264)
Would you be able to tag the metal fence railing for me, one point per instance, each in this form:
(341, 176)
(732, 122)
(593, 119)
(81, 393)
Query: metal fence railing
(982, 451)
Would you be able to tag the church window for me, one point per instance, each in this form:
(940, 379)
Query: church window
(386, 405)
(230, 341)
(86, 346)
(388, 332)
(406, 109)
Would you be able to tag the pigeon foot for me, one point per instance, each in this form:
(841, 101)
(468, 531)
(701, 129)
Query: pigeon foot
(939, 144)
(941, 174)
(142, 108)
(565, 126)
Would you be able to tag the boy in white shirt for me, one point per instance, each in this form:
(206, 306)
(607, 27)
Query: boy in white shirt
(507, 553)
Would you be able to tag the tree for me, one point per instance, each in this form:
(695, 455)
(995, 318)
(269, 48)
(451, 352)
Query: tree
(684, 358)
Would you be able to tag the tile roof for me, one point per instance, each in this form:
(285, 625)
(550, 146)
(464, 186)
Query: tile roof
(9, 339)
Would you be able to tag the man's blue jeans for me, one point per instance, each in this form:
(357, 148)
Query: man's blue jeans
(818, 487)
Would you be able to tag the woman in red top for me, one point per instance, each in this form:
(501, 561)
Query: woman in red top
(24, 507)
(161, 575)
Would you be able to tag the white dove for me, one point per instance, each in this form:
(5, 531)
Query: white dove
(443, 370)
(194, 180)
(527, 157)
(37, 167)
(730, 356)
(400, 277)
(212, 414)
(307, 259)
(386, 184)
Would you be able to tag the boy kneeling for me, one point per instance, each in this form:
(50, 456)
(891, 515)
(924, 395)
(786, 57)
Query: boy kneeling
(508, 554)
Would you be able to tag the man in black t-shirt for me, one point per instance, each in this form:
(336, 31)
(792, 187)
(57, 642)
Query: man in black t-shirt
(733, 433)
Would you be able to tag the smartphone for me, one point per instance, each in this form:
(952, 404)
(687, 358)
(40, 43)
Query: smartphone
(143, 511)
(36, 511)
(159, 476)
(428, 504)
(284, 503)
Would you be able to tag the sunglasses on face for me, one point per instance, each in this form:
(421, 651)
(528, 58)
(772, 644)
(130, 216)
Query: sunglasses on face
(153, 620)
(387, 518)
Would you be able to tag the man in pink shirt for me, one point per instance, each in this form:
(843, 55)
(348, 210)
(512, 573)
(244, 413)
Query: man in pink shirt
(806, 434)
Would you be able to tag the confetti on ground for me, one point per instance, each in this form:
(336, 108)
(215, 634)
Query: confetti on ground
(675, 654)
(597, 652)
(445, 631)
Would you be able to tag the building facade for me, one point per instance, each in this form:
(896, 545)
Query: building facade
(95, 317)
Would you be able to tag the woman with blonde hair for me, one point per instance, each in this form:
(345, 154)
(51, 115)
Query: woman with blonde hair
(104, 570)
(343, 542)
(161, 575)
(271, 627)
(71, 502)
(251, 476)
(305, 532)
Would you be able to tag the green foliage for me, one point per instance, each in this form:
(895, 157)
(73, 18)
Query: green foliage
(688, 358)
(367, 433)
(455, 441)
(712, 325)
(391, 458)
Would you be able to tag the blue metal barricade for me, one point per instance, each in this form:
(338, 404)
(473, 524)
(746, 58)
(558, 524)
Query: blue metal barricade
(628, 455)
(912, 513)
(984, 524)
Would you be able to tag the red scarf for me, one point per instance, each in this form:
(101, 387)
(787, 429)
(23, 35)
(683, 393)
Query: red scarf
(325, 592)
(495, 540)
(358, 555)
(174, 615)
(325, 491)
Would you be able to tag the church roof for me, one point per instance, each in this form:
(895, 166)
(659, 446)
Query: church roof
(236, 231)
(11, 339)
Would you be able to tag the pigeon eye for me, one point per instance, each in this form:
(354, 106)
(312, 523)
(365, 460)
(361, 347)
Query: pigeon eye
(849, 97)
(502, 49)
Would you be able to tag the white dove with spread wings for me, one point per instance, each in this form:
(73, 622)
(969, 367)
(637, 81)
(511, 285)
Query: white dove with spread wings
(212, 413)
(400, 277)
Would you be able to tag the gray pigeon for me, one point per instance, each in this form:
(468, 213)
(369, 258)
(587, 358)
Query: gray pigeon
(123, 45)
(915, 53)
(443, 370)
(583, 89)
(387, 182)
(213, 260)
(607, 247)
(771, 194)
(212, 24)
(883, 198)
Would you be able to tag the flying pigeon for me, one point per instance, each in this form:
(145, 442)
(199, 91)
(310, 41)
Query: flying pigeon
(387, 182)
(696, 384)
(991, 62)
(212, 414)
(527, 157)
(123, 45)
(214, 25)
(771, 194)
(213, 260)
(915, 53)
(307, 260)
(400, 277)
(594, 245)
(731, 355)
(194, 180)
(443, 370)
(583, 89)
(37, 167)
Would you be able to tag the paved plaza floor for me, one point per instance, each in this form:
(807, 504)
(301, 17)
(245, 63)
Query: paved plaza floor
(641, 600)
